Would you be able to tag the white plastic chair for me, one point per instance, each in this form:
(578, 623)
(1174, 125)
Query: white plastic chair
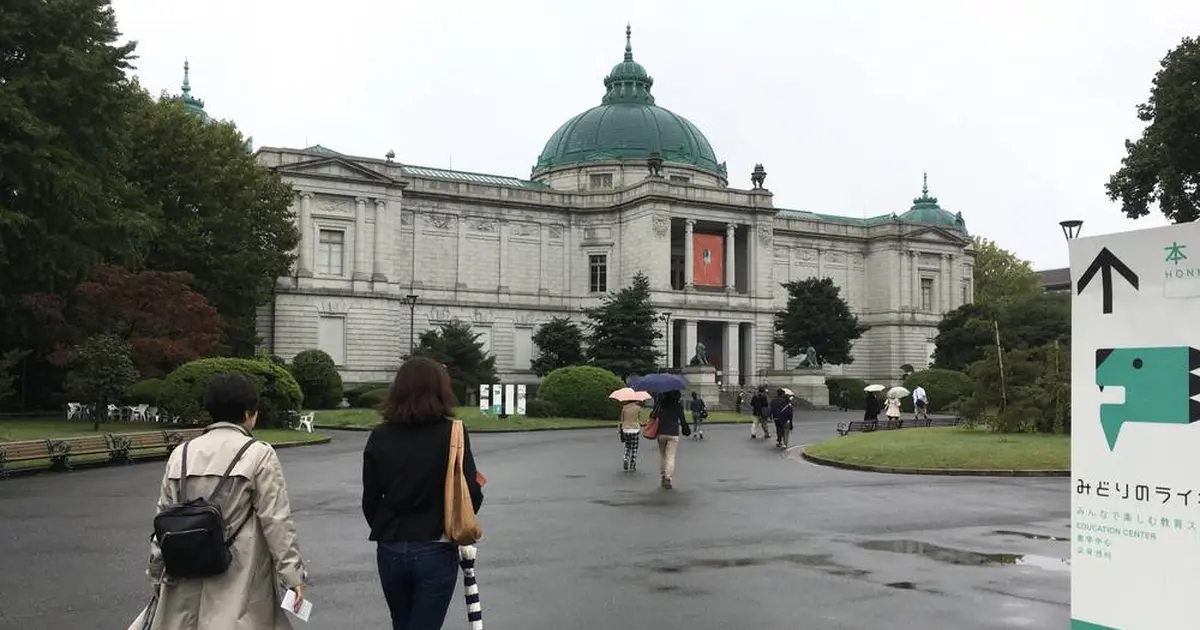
(306, 422)
(138, 413)
(152, 414)
(75, 411)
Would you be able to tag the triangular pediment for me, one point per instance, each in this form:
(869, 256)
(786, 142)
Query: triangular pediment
(935, 234)
(335, 167)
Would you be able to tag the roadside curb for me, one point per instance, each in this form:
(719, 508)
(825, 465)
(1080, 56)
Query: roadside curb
(945, 472)
(30, 472)
(529, 430)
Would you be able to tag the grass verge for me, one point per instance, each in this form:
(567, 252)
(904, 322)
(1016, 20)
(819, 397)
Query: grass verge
(948, 448)
(483, 423)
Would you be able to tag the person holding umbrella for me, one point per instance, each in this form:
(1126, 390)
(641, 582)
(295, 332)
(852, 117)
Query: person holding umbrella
(782, 412)
(630, 424)
(671, 422)
(760, 406)
(891, 407)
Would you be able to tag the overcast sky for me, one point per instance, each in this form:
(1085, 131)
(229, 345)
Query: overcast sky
(1018, 109)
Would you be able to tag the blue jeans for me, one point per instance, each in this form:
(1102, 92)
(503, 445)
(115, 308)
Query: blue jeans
(418, 582)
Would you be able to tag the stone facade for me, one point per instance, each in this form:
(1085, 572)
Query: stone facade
(506, 255)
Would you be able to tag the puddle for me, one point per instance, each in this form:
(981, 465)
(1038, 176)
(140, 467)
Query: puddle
(821, 562)
(1029, 536)
(574, 476)
(965, 558)
(907, 586)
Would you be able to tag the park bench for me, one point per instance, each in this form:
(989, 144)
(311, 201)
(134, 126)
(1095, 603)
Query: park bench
(120, 447)
(892, 425)
(13, 452)
(856, 426)
(936, 422)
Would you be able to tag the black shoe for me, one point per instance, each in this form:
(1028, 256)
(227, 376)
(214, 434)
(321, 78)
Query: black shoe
(627, 464)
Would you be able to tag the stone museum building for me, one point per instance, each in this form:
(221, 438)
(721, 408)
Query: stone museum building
(625, 186)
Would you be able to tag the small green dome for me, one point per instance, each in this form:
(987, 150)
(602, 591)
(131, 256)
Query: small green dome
(926, 211)
(628, 125)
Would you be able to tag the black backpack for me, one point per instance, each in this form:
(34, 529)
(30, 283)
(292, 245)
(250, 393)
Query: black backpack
(191, 533)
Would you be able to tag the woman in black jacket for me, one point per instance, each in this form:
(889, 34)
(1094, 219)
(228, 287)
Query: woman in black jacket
(404, 481)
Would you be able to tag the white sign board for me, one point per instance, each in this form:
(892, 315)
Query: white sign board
(510, 399)
(521, 391)
(497, 398)
(484, 406)
(1135, 444)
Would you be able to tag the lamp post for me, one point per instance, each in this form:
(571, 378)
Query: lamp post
(1071, 228)
(411, 301)
(665, 316)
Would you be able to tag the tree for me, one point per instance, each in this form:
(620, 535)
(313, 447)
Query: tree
(318, 378)
(1163, 166)
(622, 331)
(8, 362)
(817, 316)
(457, 347)
(1000, 276)
(216, 212)
(101, 374)
(164, 321)
(560, 344)
(963, 335)
(64, 204)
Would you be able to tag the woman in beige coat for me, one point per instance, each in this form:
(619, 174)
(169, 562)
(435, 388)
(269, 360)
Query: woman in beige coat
(264, 549)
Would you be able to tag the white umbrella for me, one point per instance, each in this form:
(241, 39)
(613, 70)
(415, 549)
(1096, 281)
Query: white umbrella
(897, 392)
(874, 388)
(788, 392)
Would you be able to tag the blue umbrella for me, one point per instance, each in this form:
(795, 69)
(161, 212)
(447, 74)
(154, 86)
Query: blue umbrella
(659, 383)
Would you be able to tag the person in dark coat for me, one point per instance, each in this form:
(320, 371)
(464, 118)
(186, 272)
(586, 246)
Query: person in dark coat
(872, 408)
(760, 406)
(782, 413)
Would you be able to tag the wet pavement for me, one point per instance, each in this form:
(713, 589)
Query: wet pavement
(749, 538)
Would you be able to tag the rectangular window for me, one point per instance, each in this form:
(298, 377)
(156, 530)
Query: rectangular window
(484, 338)
(927, 294)
(598, 273)
(522, 348)
(331, 337)
(965, 300)
(681, 179)
(600, 181)
(331, 248)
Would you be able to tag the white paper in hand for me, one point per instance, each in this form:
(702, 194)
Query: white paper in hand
(289, 604)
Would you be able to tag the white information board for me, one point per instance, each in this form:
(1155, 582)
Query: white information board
(484, 396)
(1135, 444)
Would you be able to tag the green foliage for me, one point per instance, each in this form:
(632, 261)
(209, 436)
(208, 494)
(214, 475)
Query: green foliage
(317, 375)
(943, 387)
(1001, 277)
(458, 347)
(1163, 166)
(8, 371)
(145, 392)
(965, 333)
(1037, 384)
(278, 391)
(816, 315)
(538, 408)
(354, 394)
(373, 398)
(853, 388)
(623, 331)
(101, 374)
(560, 344)
(581, 391)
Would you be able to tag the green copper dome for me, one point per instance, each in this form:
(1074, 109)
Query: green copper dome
(926, 211)
(193, 105)
(628, 125)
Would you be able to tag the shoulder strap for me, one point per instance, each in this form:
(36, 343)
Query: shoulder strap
(228, 471)
(183, 475)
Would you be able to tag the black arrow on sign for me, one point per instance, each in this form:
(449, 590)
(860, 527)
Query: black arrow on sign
(1105, 263)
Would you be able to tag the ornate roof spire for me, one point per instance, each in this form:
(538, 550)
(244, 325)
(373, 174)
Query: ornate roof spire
(186, 88)
(925, 183)
(193, 105)
(628, 42)
(628, 82)
(925, 199)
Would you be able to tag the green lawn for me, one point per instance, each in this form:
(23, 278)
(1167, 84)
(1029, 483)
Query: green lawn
(948, 447)
(475, 421)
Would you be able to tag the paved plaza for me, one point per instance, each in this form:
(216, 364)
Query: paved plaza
(749, 538)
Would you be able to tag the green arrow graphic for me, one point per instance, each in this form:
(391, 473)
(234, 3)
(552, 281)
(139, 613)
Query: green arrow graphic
(1159, 386)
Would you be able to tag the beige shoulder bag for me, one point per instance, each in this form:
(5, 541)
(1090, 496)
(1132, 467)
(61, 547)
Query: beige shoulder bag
(461, 525)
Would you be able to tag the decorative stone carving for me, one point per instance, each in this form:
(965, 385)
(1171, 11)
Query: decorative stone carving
(764, 234)
(806, 255)
(405, 218)
(783, 253)
(525, 318)
(439, 221)
(330, 307)
(662, 225)
(335, 206)
(481, 317)
(524, 230)
(834, 258)
(440, 315)
(858, 260)
(556, 232)
(482, 225)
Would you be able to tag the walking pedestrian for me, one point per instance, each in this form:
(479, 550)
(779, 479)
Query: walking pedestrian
(891, 408)
(671, 422)
(871, 408)
(760, 406)
(782, 412)
(404, 498)
(699, 415)
(631, 429)
(920, 404)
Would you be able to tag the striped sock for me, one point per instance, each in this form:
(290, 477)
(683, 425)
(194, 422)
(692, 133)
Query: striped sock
(466, 560)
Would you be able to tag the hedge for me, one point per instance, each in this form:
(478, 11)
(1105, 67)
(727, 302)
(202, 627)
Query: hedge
(372, 399)
(354, 394)
(538, 408)
(318, 377)
(943, 387)
(581, 391)
(180, 392)
(145, 392)
(856, 397)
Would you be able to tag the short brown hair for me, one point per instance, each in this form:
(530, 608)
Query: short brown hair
(421, 393)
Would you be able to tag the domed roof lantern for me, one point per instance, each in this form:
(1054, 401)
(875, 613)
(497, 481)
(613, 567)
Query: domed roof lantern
(628, 81)
(193, 105)
(925, 210)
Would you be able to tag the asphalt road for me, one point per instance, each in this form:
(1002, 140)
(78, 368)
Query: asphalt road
(749, 538)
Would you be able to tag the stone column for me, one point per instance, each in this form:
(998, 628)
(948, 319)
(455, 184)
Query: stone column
(751, 354)
(544, 259)
(502, 278)
(955, 285)
(730, 258)
(360, 239)
(731, 357)
(914, 281)
(688, 252)
(820, 253)
(379, 268)
(304, 256)
(688, 347)
(897, 294)
(943, 304)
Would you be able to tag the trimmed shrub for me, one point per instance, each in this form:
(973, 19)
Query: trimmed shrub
(354, 394)
(180, 392)
(853, 387)
(944, 387)
(538, 408)
(581, 391)
(372, 399)
(318, 377)
(145, 392)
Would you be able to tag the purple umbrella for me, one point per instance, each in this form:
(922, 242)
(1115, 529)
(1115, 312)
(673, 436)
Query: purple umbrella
(659, 383)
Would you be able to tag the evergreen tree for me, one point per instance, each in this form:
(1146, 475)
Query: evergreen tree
(560, 344)
(817, 316)
(623, 331)
(457, 347)
(101, 374)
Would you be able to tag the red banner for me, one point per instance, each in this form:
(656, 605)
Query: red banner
(708, 260)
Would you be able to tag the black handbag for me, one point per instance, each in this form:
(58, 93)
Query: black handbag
(684, 428)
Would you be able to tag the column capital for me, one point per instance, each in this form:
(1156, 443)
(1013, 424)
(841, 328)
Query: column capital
(689, 223)
(304, 194)
(947, 256)
(913, 253)
(380, 203)
(731, 227)
(362, 201)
